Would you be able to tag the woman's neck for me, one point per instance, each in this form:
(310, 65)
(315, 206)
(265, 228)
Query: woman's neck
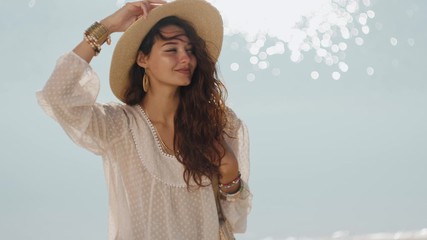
(161, 106)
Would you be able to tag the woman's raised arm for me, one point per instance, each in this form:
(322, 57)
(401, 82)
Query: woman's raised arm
(119, 21)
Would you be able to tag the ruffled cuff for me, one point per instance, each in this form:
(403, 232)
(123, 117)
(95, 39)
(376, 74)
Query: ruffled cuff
(237, 208)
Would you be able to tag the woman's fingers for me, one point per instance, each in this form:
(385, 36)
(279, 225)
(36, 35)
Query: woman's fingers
(157, 2)
(147, 6)
(154, 3)
(144, 9)
(129, 13)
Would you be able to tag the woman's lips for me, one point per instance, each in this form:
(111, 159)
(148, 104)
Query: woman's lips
(185, 71)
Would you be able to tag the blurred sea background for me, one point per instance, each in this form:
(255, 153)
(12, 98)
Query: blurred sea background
(333, 93)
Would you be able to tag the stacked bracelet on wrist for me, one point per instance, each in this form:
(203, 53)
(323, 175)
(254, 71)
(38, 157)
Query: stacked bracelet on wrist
(225, 186)
(231, 197)
(231, 184)
(96, 35)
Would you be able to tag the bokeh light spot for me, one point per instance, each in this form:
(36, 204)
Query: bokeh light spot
(254, 50)
(262, 55)
(393, 41)
(370, 13)
(321, 52)
(329, 61)
(370, 71)
(275, 71)
(278, 48)
(343, 66)
(354, 32)
(363, 18)
(336, 75)
(254, 60)
(352, 6)
(335, 48)
(367, 3)
(234, 67)
(365, 29)
(296, 56)
(359, 41)
(342, 46)
(250, 77)
(260, 42)
(263, 65)
(314, 75)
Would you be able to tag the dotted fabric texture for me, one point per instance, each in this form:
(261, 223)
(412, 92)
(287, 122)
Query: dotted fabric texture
(148, 198)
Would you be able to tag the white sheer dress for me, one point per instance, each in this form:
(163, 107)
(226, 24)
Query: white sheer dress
(148, 198)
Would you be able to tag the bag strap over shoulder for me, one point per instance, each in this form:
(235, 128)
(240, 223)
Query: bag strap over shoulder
(215, 186)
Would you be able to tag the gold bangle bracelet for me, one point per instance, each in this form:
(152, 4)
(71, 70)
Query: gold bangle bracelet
(98, 32)
(96, 35)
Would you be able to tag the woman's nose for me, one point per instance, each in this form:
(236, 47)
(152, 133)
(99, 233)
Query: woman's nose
(185, 57)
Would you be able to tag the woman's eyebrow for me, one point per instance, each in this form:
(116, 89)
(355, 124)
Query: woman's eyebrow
(169, 43)
(175, 42)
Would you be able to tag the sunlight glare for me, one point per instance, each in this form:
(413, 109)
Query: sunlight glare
(322, 26)
(268, 16)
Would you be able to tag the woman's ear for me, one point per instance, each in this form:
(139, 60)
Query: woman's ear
(141, 60)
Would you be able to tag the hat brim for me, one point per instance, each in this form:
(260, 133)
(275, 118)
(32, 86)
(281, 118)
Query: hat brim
(205, 18)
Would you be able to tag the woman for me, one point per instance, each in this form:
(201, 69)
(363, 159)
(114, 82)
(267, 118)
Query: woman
(173, 136)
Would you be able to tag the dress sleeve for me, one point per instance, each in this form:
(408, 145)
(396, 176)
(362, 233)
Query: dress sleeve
(237, 211)
(69, 98)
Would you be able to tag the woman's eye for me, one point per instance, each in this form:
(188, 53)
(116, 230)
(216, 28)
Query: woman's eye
(173, 50)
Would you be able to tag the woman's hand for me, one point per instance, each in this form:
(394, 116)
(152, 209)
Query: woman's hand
(120, 20)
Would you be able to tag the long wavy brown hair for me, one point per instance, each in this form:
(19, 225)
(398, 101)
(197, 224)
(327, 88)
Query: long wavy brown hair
(200, 119)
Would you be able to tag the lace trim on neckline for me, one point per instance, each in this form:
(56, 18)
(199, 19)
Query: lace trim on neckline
(162, 166)
(154, 133)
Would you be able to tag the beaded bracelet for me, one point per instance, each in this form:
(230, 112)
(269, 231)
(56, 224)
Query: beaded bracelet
(96, 35)
(232, 196)
(230, 184)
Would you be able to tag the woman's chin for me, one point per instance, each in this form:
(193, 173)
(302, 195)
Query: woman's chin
(185, 83)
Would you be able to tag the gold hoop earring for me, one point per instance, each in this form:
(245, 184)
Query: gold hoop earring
(145, 83)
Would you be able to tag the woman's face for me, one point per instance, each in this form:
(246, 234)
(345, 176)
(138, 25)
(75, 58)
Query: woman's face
(171, 62)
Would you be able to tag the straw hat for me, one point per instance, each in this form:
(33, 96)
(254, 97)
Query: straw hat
(205, 18)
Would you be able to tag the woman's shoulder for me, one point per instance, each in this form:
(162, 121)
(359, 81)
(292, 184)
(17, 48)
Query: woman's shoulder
(233, 121)
(231, 114)
(117, 112)
(133, 114)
